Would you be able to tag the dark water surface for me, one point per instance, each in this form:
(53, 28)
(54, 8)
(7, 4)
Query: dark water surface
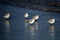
(14, 28)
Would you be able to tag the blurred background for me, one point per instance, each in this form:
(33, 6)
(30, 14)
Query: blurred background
(17, 20)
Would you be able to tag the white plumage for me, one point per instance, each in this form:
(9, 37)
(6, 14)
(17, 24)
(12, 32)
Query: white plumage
(6, 15)
(26, 15)
(31, 21)
(36, 17)
(51, 21)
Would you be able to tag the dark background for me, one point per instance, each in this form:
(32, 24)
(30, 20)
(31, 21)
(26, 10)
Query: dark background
(16, 30)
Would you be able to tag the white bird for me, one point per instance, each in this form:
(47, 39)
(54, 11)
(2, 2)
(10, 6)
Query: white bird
(51, 21)
(26, 15)
(36, 17)
(31, 21)
(7, 15)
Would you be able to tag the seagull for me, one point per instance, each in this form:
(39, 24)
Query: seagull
(31, 21)
(51, 21)
(6, 16)
(26, 15)
(36, 17)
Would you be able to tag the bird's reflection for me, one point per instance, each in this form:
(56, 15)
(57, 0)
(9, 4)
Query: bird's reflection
(7, 26)
(26, 29)
(26, 23)
(51, 32)
(6, 29)
(36, 26)
(31, 30)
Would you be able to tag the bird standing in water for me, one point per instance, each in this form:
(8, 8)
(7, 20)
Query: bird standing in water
(6, 16)
(51, 21)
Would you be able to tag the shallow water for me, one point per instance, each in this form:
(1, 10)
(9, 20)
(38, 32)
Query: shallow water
(15, 28)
